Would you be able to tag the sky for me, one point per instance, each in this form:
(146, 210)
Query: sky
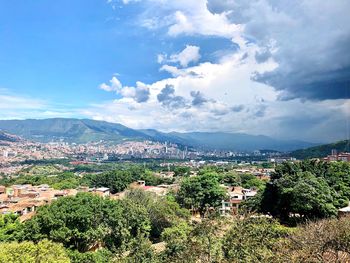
(271, 67)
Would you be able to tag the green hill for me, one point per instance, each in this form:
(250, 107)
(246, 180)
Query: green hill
(70, 130)
(321, 150)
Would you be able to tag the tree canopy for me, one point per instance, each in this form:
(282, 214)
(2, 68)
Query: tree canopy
(201, 192)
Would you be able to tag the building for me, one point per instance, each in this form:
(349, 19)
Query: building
(343, 157)
(236, 195)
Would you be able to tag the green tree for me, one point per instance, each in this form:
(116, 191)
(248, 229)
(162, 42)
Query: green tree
(252, 240)
(84, 221)
(141, 252)
(301, 194)
(201, 192)
(182, 171)
(9, 227)
(176, 239)
(162, 212)
(43, 252)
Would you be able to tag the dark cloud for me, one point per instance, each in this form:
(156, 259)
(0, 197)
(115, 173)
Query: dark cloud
(168, 99)
(237, 108)
(316, 86)
(198, 98)
(142, 94)
(312, 50)
(262, 57)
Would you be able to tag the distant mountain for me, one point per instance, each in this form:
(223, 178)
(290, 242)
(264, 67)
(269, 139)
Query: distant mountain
(321, 150)
(70, 130)
(238, 141)
(84, 130)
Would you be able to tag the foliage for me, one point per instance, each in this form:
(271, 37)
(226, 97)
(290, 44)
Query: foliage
(64, 180)
(309, 189)
(100, 256)
(141, 252)
(43, 252)
(85, 221)
(119, 180)
(162, 212)
(201, 192)
(247, 181)
(252, 239)
(182, 171)
(9, 227)
(321, 150)
(176, 239)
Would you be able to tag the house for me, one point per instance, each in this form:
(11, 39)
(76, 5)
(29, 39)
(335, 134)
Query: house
(236, 195)
(102, 191)
(344, 212)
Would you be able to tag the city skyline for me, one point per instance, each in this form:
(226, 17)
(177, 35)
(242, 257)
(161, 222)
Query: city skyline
(257, 67)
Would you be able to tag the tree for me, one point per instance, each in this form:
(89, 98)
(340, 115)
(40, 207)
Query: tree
(201, 192)
(244, 180)
(85, 221)
(252, 240)
(176, 239)
(116, 181)
(43, 252)
(162, 212)
(100, 256)
(301, 194)
(9, 227)
(182, 171)
(141, 252)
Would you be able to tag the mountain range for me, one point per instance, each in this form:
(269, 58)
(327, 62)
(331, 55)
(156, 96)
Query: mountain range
(85, 130)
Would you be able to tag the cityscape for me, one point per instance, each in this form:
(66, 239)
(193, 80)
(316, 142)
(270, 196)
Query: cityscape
(187, 131)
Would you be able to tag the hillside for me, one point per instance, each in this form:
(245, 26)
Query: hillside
(8, 137)
(238, 141)
(70, 130)
(321, 150)
(84, 130)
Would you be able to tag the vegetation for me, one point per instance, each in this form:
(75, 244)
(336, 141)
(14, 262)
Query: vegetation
(322, 150)
(201, 192)
(65, 180)
(305, 190)
(29, 252)
(88, 228)
(9, 227)
(247, 181)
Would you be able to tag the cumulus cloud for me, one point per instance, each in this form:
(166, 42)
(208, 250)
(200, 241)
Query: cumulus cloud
(198, 98)
(185, 57)
(114, 85)
(168, 98)
(140, 93)
(286, 78)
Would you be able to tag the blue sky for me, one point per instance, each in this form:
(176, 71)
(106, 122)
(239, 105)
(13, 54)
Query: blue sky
(228, 65)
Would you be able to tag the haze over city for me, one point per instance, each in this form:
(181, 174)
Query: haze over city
(259, 67)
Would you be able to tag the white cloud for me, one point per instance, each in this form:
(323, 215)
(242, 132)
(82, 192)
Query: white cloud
(140, 93)
(272, 37)
(114, 85)
(15, 106)
(188, 55)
